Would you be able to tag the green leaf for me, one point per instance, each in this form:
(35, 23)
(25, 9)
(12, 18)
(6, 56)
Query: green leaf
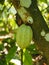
(44, 1)
(3, 62)
(12, 23)
(32, 49)
(1, 1)
(3, 32)
(25, 3)
(1, 47)
(11, 53)
(27, 58)
(2, 59)
(9, 41)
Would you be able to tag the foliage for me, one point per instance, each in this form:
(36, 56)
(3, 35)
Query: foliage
(44, 7)
(8, 31)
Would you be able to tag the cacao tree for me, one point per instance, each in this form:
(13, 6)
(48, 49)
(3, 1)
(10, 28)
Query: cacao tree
(24, 32)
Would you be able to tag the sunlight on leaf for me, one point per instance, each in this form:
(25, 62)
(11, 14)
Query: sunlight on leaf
(27, 58)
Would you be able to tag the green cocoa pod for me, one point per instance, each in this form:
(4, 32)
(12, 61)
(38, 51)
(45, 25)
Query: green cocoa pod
(24, 36)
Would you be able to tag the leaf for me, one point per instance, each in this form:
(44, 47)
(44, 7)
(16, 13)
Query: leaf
(1, 47)
(12, 23)
(11, 53)
(2, 59)
(25, 3)
(27, 58)
(3, 32)
(32, 49)
(1, 1)
(44, 1)
(3, 62)
(9, 41)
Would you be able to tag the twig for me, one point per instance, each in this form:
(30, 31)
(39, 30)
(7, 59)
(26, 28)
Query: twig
(21, 57)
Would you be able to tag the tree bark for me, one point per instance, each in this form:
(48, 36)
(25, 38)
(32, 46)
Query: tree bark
(38, 25)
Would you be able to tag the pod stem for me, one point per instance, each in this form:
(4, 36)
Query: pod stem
(21, 56)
